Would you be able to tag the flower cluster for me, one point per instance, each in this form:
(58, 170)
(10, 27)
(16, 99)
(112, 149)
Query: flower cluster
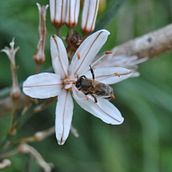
(67, 12)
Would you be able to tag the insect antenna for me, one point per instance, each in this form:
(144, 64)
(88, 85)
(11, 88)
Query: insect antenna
(92, 72)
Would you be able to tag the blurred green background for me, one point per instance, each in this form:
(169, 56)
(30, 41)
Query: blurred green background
(144, 142)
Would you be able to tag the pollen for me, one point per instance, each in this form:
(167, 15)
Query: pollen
(108, 52)
(78, 55)
(117, 74)
(68, 83)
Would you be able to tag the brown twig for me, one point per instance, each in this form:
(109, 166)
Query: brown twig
(148, 45)
(38, 136)
(7, 104)
(27, 149)
(5, 163)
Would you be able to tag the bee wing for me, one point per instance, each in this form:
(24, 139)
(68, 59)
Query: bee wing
(103, 109)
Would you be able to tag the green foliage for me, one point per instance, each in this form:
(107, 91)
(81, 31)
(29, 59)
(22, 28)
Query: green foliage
(143, 142)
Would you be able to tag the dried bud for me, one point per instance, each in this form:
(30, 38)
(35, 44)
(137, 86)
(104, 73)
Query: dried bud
(64, 12)
(89, 15)
(39, 56)
(4, 163)
(11, 52)
(74, 40)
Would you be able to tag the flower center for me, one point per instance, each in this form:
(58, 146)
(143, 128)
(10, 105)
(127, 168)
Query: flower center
(68, 82)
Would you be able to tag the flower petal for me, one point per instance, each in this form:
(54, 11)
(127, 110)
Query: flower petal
(110, 75)
(89, 15)
(64, 113)
(103, 109)
(110, 60)
(59, 56)
(87, 51)
(43, 85)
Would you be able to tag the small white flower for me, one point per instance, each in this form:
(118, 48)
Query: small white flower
(62, 83)
(64, 12)
(89, 15)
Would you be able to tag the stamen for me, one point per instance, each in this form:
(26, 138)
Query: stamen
(79, 56)
(120, 74)
(117, 74)
(108, 52)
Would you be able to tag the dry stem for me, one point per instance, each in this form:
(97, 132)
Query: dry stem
(148, 45)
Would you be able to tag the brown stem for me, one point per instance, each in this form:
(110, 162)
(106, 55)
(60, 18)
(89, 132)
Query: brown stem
(15, 91)
(7, 104)
(148, 45)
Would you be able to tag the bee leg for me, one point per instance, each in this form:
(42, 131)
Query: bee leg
(86, 95)
(95, 99)
(92, 72)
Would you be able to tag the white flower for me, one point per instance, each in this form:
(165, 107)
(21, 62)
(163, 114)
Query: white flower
(89, 15)
(62, 83)
(64, 12)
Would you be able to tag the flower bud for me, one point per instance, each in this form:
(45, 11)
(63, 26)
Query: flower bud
(64, 12)
(89, 15)
(39, 56)
(72, 12)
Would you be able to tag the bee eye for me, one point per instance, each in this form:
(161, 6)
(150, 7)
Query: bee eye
(78, 83)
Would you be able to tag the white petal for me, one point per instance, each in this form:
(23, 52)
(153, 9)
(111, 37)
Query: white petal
(89, 15)
(87, 51)
(72, 12)
(43, 85)
(59, 56)
(109, 60)
(103, 109)
(64, 112)
(110, 75)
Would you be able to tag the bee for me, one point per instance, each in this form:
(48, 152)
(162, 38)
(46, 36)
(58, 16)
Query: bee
(94, 88)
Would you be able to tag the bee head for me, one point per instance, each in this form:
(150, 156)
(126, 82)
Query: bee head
(82, 82)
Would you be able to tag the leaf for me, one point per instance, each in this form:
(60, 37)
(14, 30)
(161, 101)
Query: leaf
(111, 11)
